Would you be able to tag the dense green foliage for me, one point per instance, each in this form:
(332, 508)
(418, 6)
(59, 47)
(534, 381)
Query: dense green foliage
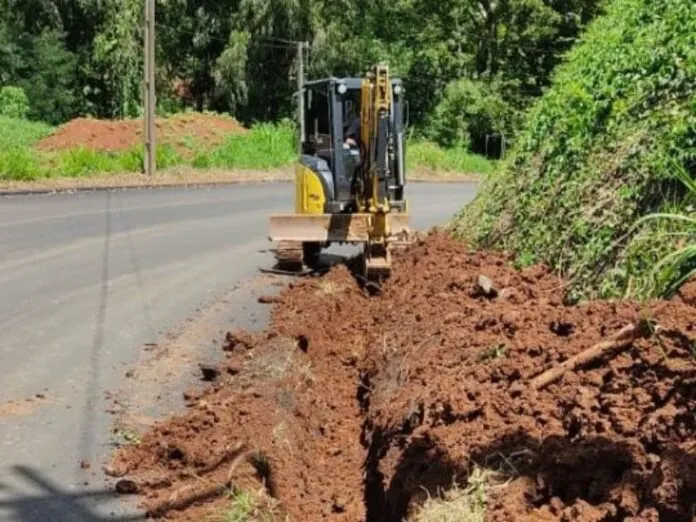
(603, 148)
(13, 102)
(76, 57)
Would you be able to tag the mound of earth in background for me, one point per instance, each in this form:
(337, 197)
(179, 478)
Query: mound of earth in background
(354, 406)
(119, 135)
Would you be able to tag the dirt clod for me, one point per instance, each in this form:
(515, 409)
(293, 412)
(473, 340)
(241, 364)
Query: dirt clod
(401, 393)
(119, 467)
(485, 286)
(126, 487)
(209, 372)
(191, 395)
(238, 339)
(687, 293)
(268, 299)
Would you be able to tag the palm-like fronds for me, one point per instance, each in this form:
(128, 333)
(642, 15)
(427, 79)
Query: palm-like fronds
(673, 270)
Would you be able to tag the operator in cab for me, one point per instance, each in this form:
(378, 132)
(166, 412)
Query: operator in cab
(352, 134)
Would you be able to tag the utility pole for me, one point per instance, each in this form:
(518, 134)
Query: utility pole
(301, 46)
(150, 100)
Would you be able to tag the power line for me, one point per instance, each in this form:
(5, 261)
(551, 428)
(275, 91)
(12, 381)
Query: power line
(283, 40)
(271, 41)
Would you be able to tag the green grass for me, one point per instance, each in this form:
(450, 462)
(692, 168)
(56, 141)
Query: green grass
(265, 146)
(426, 155)
(251, 507)
(17, 160)
(21, 134)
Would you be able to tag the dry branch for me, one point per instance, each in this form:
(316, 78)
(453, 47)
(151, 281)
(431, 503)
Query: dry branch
(203, 490)
(618, 341)
(231, 454)
(184, 497)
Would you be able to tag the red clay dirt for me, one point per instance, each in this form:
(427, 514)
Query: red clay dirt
(119, 135)
(354, 406)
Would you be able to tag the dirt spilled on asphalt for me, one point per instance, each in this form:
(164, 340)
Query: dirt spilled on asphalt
(355, 406)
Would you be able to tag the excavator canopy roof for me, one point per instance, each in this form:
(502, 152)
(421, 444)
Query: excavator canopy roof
(352, 83)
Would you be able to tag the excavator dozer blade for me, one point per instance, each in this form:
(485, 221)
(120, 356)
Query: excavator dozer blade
(332, 228)
(290, 231)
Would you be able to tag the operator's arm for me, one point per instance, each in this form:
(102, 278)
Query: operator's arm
(352, 133)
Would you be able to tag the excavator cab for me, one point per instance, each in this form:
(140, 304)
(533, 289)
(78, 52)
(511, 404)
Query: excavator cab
(331, 107)
(348, 191)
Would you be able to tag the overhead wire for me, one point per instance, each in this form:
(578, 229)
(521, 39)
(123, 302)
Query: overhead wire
(270, 42)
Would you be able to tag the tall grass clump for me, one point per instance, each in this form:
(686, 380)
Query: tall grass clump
(17, 160)
(459, 504)
(426, 155)
(665, 247)
(598, 154)
(264, 146)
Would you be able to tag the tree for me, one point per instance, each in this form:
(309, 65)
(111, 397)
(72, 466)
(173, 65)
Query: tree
(471, 112)
(230, 72)
(117, 60)
(49, 78)
(238, 55)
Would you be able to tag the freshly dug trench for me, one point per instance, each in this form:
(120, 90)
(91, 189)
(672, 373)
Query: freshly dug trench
(357, 407)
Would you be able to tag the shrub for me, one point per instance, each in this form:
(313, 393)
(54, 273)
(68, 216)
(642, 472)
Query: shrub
(13, 102)
(471, 111)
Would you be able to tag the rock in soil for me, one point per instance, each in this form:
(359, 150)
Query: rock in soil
(126, 487)
(485, 286)
(401, 393)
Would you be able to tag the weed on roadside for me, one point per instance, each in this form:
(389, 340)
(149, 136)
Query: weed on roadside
(492, 352)
(125, 436)
(246, 506)
(329, 288)
(459, 504)
(425, 155)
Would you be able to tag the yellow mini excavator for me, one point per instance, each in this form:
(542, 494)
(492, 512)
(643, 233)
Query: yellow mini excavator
(350, 178)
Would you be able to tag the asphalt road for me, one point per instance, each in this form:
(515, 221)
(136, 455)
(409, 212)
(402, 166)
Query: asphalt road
(86, 281)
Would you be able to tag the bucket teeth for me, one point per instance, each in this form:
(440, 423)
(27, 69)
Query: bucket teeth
(376, 262)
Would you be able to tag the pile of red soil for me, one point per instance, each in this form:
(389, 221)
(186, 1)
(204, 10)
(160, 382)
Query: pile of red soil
(355, 406)
(105, 135)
